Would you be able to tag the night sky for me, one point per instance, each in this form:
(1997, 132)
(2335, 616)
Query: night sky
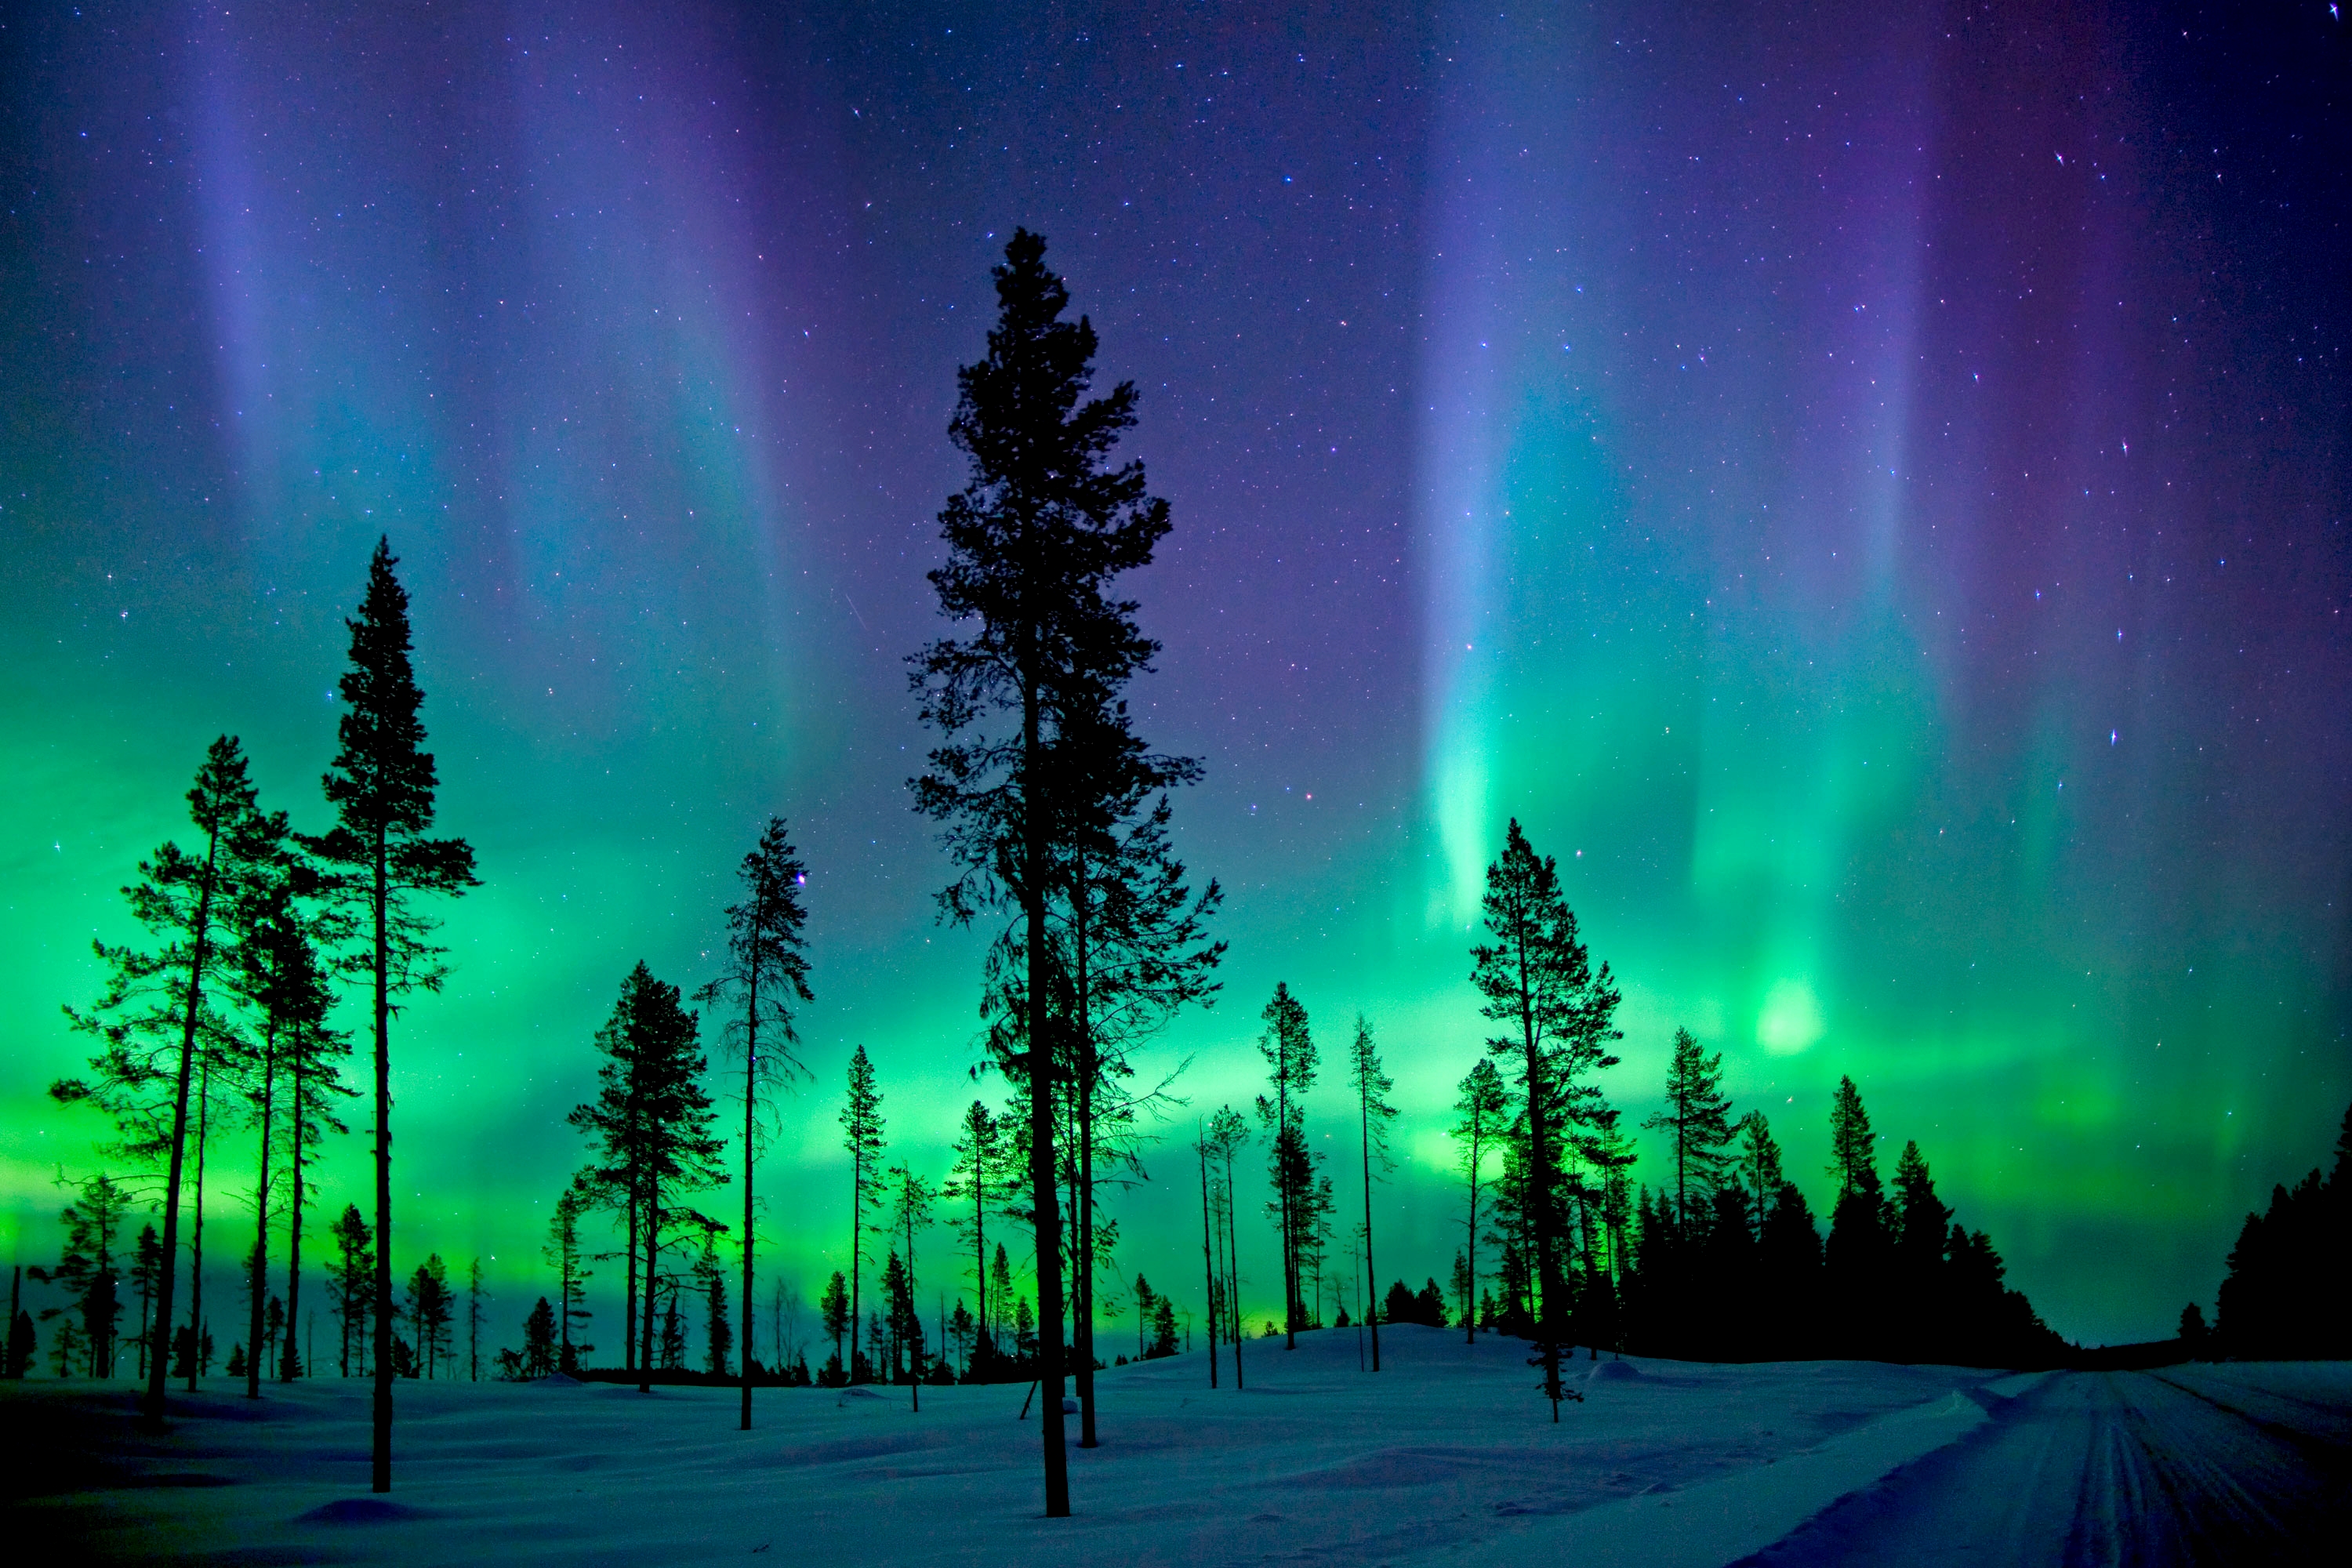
(1867, 485)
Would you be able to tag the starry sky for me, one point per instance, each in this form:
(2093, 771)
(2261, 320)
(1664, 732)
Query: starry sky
(1867, 485)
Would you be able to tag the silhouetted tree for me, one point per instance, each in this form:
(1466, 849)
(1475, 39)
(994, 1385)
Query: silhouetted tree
(538, 1349)
(911, 1201)
(1483, 1112)
(835, 1309)
(1373, 1114)
(1697, 1124)
(380, 785)
(979, 1176)
(572, 1274)
(146, 1276)
(862, 1134)
(1536, 980)
(1228, 1135)
(352, 1287)
(1757, 1167)
(1856, 1260)
(1288, 1047)
(154, 1018)
(2284, 1294)
(430, 1310)
(1034, 538)
(474, 1321)
(764, 975)
(89, 1272)
(653, 1124)
(718, 1335)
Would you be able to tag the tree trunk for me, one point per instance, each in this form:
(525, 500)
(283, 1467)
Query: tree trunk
(645, 1319)
(751, 1102)
(159, 1364)
(1372, 1273)
(196, 1248)
(1209, 1262)
(287, 1364)
(380, 1450)
(1085, 1173)
(1041, 1110)
(1234, 1267)
(257, 1277)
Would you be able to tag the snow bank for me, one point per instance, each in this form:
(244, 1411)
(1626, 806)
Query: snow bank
(1447, 1456)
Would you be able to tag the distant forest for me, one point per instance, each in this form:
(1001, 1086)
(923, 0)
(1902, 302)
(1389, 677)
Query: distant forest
(230, 1035)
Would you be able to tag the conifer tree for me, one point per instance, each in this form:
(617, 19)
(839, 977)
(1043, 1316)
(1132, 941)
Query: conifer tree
(977, 1177)
(1288, 1047)
(1209, 1270)
(146, 1275)
(431, 1310)
(911, 1202)
(380, 785)
(1854, 1259)
(474, 1321)
(766, 973)
(717, 1335)
(352, 1285)
(653, 1125)
(1374, 1113)
(1035, 538)
(833, 1307)
(1757, 1167)
(862, 1128)
(1537, 981)
(90, 1271)
(538, 1340)
(1483, 1121)
(1228, 1135)
(1697, 1124)
(572, 1274)
(154, 1018)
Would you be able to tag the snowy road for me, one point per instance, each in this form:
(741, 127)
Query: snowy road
(2219, 1465)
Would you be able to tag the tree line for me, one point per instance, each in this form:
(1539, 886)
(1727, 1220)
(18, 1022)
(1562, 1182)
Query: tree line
(1056, 818)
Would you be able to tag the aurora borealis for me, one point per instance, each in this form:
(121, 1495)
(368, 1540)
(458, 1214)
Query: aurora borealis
(1866, 488)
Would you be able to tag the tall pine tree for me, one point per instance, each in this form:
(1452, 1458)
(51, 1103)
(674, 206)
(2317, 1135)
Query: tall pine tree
(1373, 1114)
(1035, 538)
(1483, 1112)
(1536, 979)
(382, 785)
(765, 975)
(862, 1134)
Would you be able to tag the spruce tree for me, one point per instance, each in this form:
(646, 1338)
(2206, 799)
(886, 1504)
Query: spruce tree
(1698, 1123)
(1035, 538)
(1855, 1257)
(474, 1321)
(1537, 981)
(1374, 1113)
(1757, 1165)
(977, 1177)
(538, 1340)
(380, 785)
(1483, 1119)
(1288, 1047)
(911, 1201)
(353, 1284)
(1228, 1135)
(833, 1309)
(572, 1274)
(1209, 1270)
(862, 1130)
(765, 975)
(90, 1271)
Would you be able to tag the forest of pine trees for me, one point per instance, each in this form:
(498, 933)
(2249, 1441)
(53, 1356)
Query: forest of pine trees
(215, 1038)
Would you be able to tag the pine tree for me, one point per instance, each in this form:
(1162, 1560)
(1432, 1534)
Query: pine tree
(1288, 1047)
(431, 1310)
(1855, 1257)
(352, 1286)
(862, 1130)
(1035, 538)
(1537, 979)
(911, 1201)
(1698, 1122)
(655, 1143)
(89, 1271)
(766, 973)
(313, 1054)
(380, 785)
(572, 1274)
(1374, 1113)
(474, 1321)
(538, 1340)
(834, 1308)
(1757, 1167)
(977, 1177)
(1483, 1111)
(717, 1335)
(1853, 1153)
(154, 1017)
(146, 1275)
(1228, 1135)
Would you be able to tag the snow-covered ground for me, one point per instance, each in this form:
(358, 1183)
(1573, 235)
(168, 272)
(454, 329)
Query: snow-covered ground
(1448, 1454)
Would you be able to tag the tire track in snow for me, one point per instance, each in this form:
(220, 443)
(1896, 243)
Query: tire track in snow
(2103, 1469)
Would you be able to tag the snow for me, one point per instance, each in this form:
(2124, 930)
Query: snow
(1448, 1456)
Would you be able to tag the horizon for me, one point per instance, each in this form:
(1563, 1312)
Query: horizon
(1887, 540)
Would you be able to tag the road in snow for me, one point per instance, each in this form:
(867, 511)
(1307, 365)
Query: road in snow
(2225, 1465)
